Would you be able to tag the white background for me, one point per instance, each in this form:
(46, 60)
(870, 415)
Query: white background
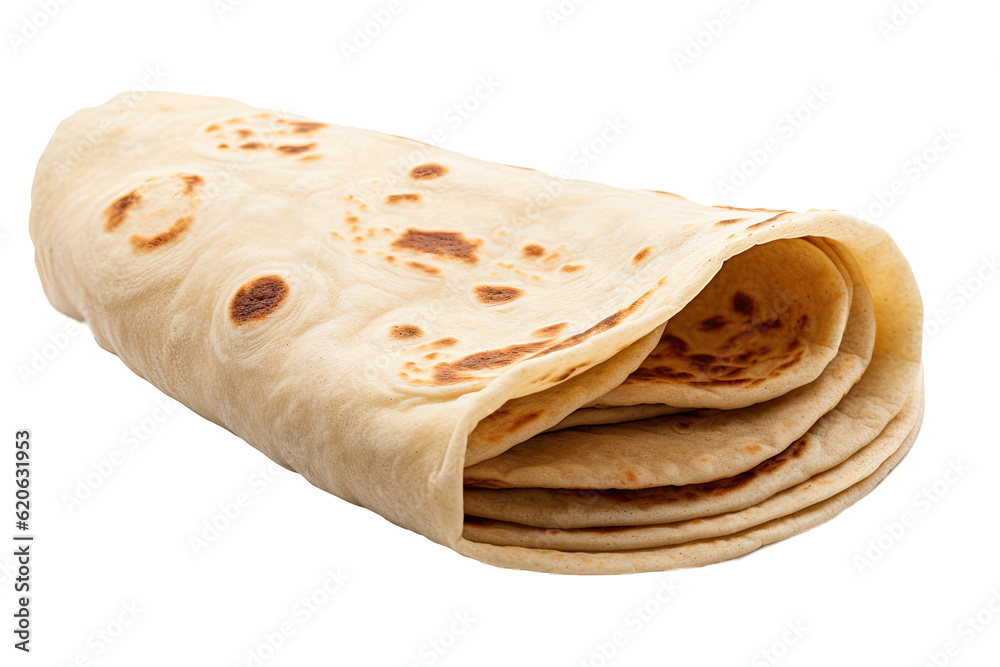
(886, 92)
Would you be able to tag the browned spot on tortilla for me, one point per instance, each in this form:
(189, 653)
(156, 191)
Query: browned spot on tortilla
(223, 146)
(351, 218)
(496, 414)
(533, 250)
(726, 383)
(427, 171)
(767, 325)
(304, 127)
(290, 149)
(212, 128)
(730, 221)
(550, 330)
(674, 344)
(243, 134)
(432, 355)
(757, 225)
(607, 323)
(115, 214)
(406, 331)
(565, 374)
(191, 181)
(309, 158)
(791, 362)
(712, 323)
(395, 199)
(257, 299)
(494, 295)
(451, 244)
(430, 270)
(641, 255)
(658, 373)
(443, 342)
(571, 268)
(743, 303)
(453, 372)
(252, 145)
(524, 420)
(147, 243)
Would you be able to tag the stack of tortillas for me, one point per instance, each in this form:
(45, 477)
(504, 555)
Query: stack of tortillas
(539, 373)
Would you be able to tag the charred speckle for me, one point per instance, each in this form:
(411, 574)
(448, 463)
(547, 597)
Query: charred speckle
(743, 303)
(115, 214)
(496, 294)
(294, 150)
(395, 199)
(713, 323)
(549, 330)
(257, 299)
(406, 331)
(452, 244)
(302, 127)
(147, 243)
(427, 171)
(533, 250)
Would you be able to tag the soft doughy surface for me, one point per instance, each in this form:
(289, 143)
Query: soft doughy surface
(901, 430)
(838, 434)
(378, 314)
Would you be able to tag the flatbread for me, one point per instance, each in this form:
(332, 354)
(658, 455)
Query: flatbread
(377, 314)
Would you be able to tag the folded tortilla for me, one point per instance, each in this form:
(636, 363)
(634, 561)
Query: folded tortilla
(539, 373)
